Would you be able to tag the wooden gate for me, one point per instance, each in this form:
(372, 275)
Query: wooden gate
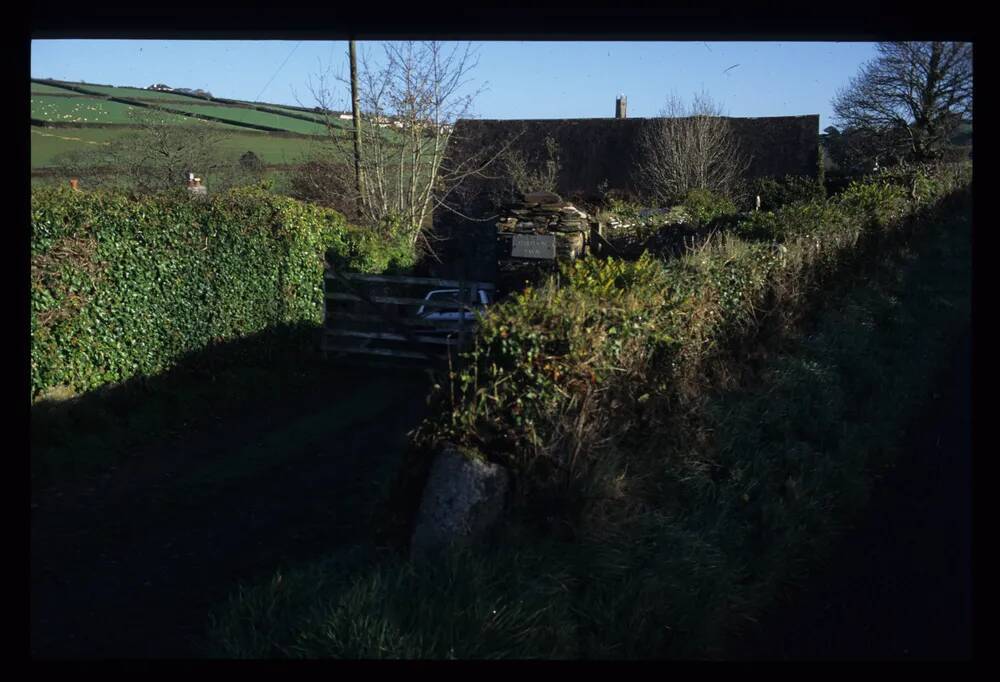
(378, 316)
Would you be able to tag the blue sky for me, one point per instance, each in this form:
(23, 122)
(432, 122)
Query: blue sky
(522, 79)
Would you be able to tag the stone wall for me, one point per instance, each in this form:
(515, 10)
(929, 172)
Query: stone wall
(599, 150)
(540, 213)
(605, 150)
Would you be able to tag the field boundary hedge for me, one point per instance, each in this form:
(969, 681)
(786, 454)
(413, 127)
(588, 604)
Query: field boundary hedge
(123, 287)
(715, 508)
(567, 381)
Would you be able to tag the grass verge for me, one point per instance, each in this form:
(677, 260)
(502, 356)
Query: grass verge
(788, 454)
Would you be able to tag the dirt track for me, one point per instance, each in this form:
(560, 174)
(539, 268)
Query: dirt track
(132, 568)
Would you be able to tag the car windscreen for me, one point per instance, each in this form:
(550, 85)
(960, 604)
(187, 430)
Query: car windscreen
(441, 296)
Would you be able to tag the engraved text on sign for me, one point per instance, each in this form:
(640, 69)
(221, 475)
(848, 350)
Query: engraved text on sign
(534, 246)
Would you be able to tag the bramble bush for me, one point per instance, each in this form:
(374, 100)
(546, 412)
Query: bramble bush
(564, 377)
(705, 206)
(777, 192)
(623, 209)
(123, 287)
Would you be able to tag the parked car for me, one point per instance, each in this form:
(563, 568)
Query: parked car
(434, 313)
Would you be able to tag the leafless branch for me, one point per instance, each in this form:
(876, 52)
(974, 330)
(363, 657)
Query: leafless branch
(912, 95)
(409, 105)
(690, 147)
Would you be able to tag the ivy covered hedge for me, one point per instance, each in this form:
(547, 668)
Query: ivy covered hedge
(123, 287)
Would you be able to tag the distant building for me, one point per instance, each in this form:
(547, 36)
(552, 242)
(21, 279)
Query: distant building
(195, 187)
(596, 155)
(160, 87)
(620, 107)
(197, 93)
(594, 151)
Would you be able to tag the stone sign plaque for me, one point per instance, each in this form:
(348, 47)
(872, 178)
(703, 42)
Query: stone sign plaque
(541, 246)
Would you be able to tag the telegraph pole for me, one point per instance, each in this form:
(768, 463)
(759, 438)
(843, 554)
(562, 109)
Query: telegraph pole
(356, 107)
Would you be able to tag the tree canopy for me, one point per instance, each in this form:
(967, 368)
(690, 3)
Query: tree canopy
(911, 97)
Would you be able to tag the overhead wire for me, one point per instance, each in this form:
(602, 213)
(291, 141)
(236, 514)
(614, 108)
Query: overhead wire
(275, 75)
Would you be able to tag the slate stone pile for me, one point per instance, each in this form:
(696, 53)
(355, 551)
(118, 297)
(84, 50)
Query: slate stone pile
(617, 224)
(545, 213)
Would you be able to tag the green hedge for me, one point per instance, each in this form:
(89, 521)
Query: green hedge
(565, 379)
(777, 192)
(705, 206)
(124, 287)
(661, 517)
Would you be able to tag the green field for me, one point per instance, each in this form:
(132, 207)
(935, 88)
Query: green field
(298, 112)
(43, 89)
(293, 110)
(48, 143)
(133, 93)
(263, 118)
(272, 149)
(82, 115)
(88, 110)
(237, 114)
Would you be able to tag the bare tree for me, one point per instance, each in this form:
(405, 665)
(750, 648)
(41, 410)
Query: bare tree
(689, 147)
(520, 174)
(157, 156)
(409, 106)
(913, 95)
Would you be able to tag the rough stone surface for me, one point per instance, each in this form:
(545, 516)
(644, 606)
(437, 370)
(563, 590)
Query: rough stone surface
(605, 151)
(570, 226)
(594, 154)
(542, 198)
(463, 499)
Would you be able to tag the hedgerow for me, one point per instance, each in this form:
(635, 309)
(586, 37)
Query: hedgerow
(705, 206)
(123, 287)
(654, 515)
(777, 192)
(567, 381)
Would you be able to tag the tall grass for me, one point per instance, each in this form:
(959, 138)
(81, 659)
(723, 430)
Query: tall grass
(574, 383)
(673, 470)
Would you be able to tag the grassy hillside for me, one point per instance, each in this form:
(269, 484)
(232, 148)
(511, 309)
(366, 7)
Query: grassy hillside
(255, 117)
(82, 113)
(90, 110)
(48, 143)
(43, 89)
(134, 93)
(60, 96)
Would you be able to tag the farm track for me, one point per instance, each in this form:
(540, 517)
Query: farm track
(900, 585)
(131, 567)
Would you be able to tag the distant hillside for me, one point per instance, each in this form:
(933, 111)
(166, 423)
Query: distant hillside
(74, 117)
(60, 103)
